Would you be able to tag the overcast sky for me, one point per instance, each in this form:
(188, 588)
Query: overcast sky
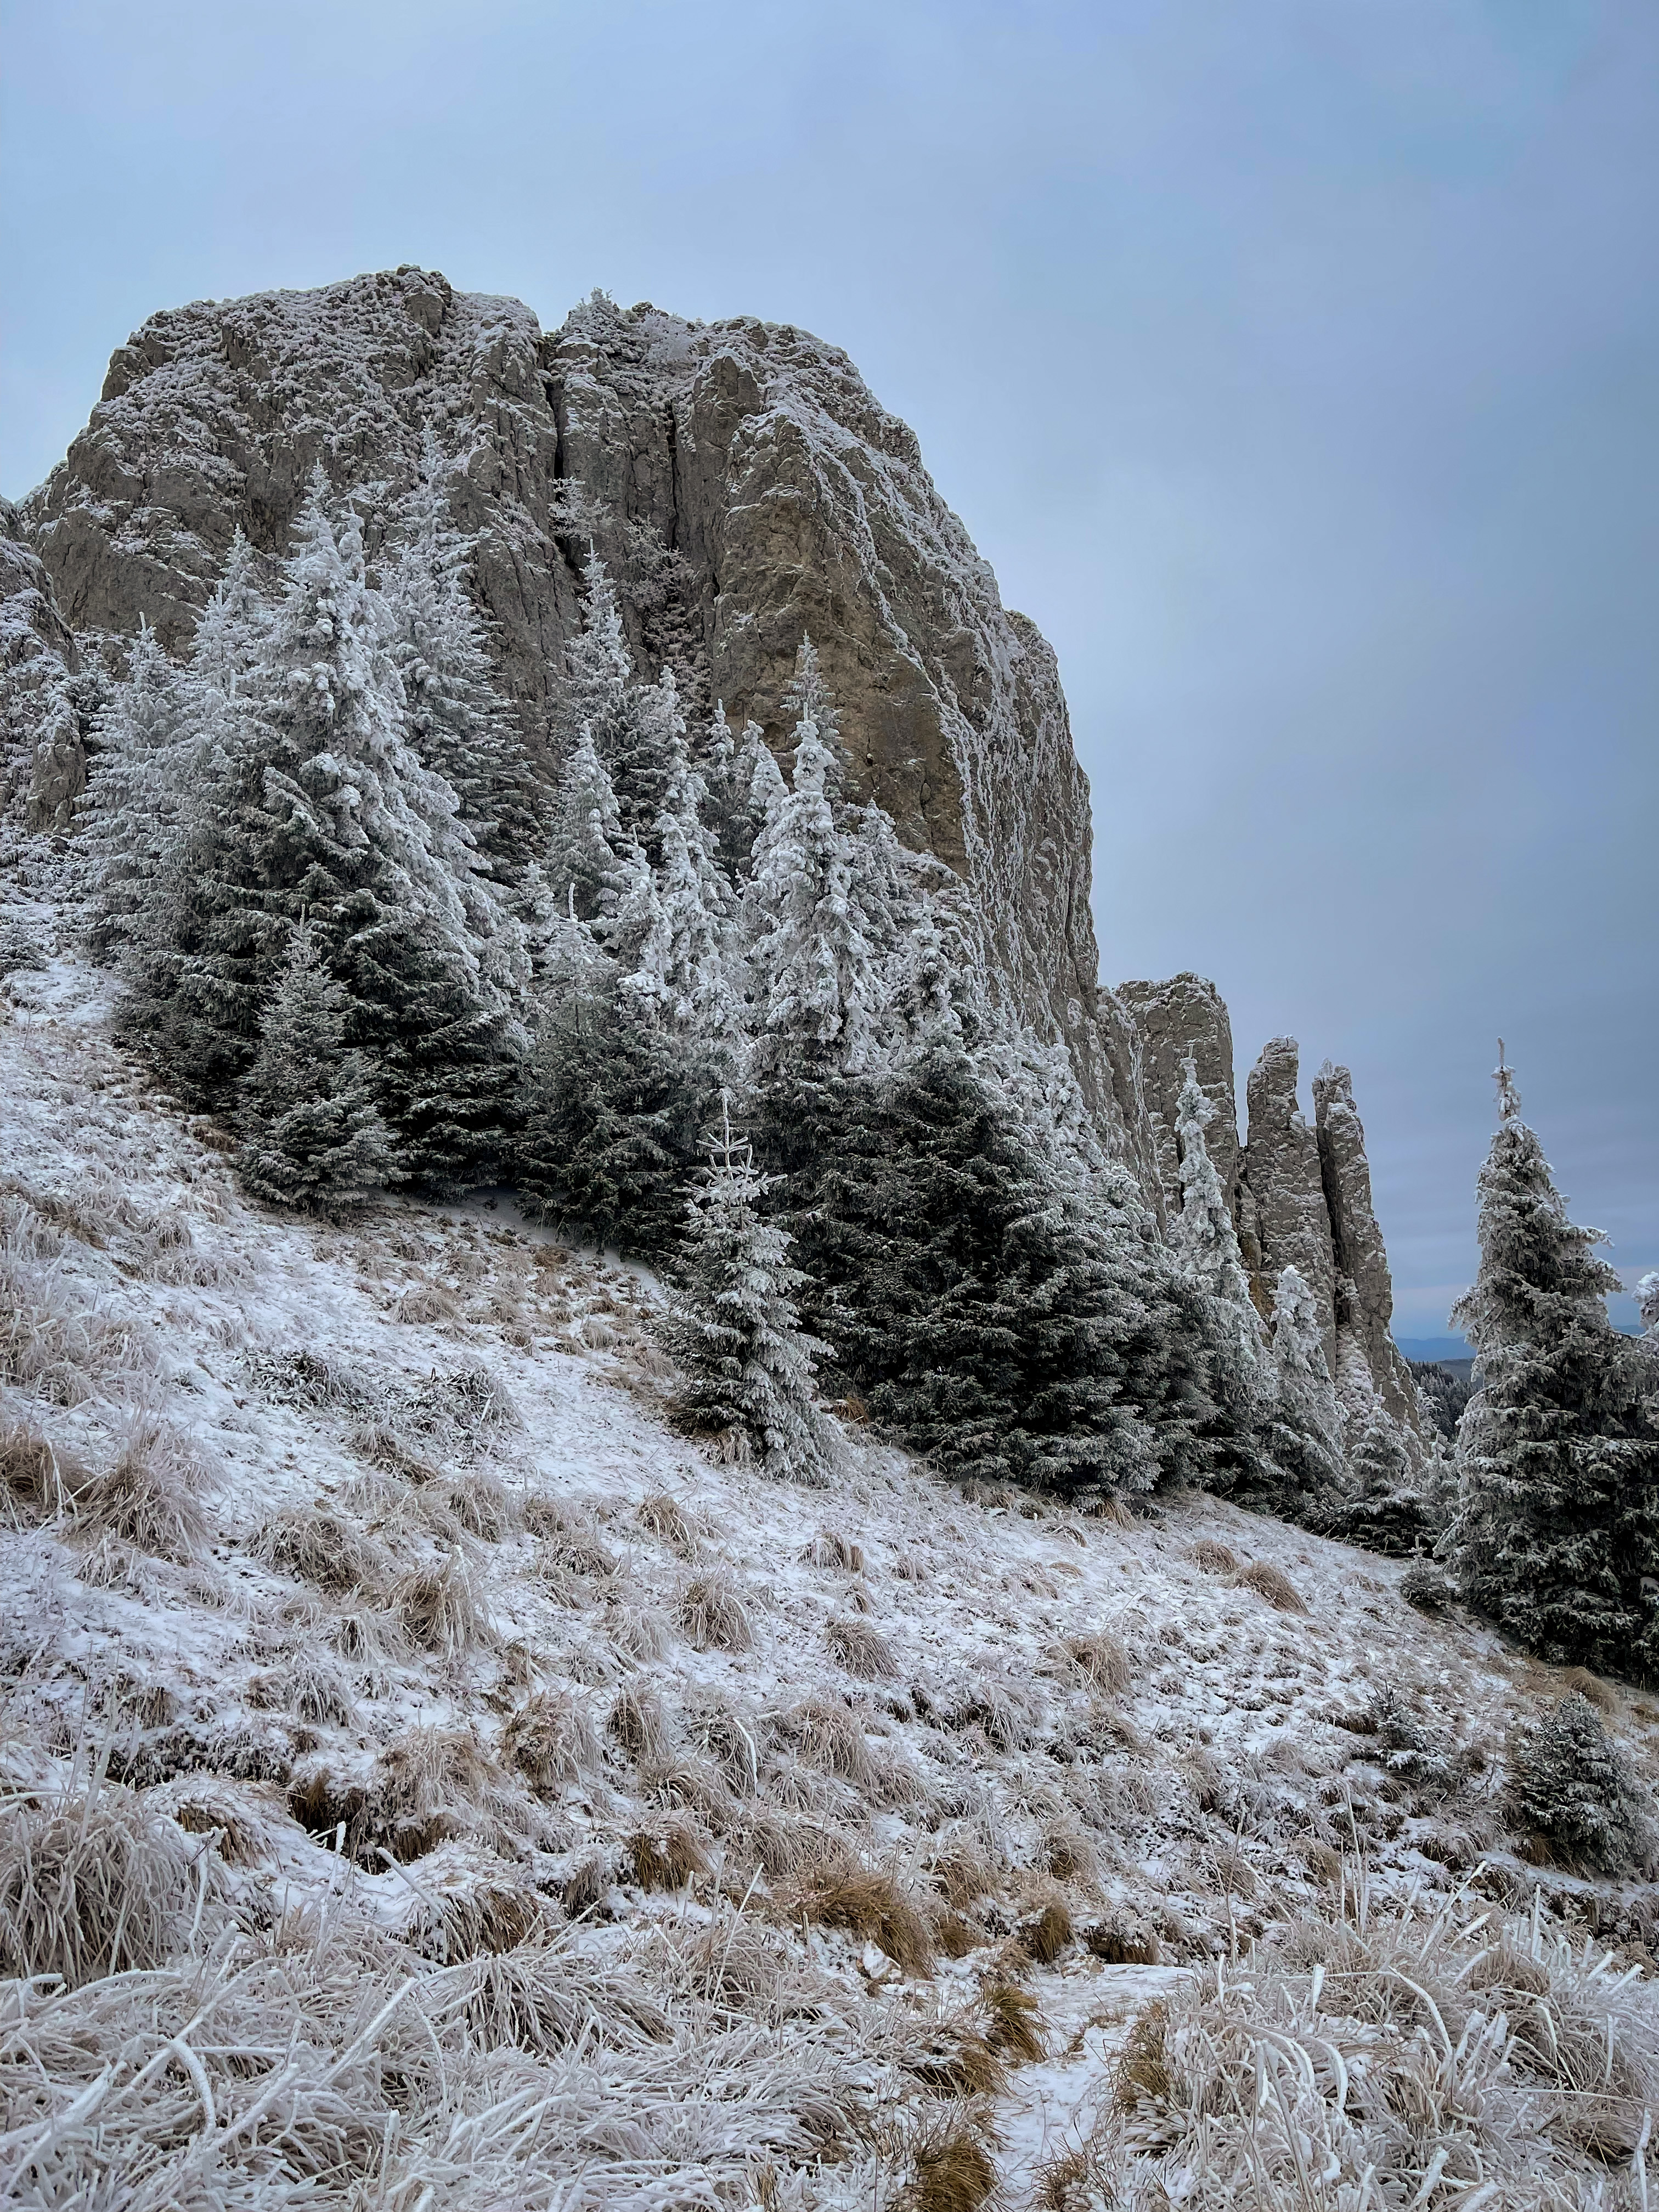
(1293, 362)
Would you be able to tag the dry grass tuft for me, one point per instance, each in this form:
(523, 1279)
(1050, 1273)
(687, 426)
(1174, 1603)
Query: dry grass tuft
(1601, 1695)
(481, 1505)
(44, 1477)
(550, 1742)
(637, 1725)
(956, 2061)
(538, 1998)
(1213, 1558)
(1272, 1584)
(665, 1516)
(322, 1549)
(148, 1498)
(1142, 2075)
(826, 1735)
(1122, 1941)
(1101, 1659)
(99, 1885)
(204, 1807)
(862, 1650)
(667, 1857)
(828, 1549)
(1048, 1933)
(870, 1906)
(964, 1876)
(713, 1614)
(1014, 2021)
(956, 1937)
(439, 1610)
(953, 2170)
(382, 1446)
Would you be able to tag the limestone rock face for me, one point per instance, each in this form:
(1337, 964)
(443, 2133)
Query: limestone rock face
(1300, 1197)
(741, 482)
(1281, 1170)
(43, 768)
(1365, 1291)
(1185, 1016)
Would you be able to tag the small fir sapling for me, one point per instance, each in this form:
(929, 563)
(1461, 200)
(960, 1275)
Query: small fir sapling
(313, 1136)
(1557, 1532)
(589, 861)
(631, 724)
(735, 1326)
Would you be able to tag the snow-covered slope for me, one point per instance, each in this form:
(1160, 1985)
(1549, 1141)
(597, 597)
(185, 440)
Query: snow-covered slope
(512, 1807)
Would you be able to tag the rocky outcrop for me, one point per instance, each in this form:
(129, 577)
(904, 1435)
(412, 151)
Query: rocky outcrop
(1286, 1205)
(42, 766)
(742, 483)
(1184, 1017)
(1301, 1197)
(1365, 1290)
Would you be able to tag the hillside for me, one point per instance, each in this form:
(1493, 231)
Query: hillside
(432, 1783)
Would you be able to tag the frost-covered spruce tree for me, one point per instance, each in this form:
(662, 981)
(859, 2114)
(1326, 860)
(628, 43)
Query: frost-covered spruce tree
(1557, 1532)
(313, 1136)
(740, 778)
(326, 812)
(1301, 1427)
(1391, 1509)
(455, 718)
(138, 792)
(611, 1112)
(631, 724)
(589, 857)
(988, 1314)
(682, 963)
(735, 1328)
(191, 1000)
(817, 984)
(1202, 1236)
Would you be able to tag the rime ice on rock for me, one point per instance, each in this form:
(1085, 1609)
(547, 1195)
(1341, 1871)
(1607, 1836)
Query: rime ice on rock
(743, 487)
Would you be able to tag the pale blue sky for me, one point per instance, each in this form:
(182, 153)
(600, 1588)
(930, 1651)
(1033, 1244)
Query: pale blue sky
(1296, 363)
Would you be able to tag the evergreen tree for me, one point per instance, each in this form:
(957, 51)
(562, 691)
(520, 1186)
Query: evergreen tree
(740, 780)
(735, 1328)
(610, 1111)
(313, 1135)
(455, 718)
(816, 979)
(138, 793)
(1557, 1533)
(1202, 1236)
(681, 963)
(321, 808)
(589, 855)
(990, 1315)
(632, 724)
(1302, 1425)
(1389, 1510)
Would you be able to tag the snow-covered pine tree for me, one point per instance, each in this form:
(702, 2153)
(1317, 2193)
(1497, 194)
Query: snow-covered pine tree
(610, 1111)
(735, 1328)
(984, 1311)
(1557, 1531)
(589, 856)
(325, 812)
(681, 964)
(194, 988)
(456, 719)
(818, 988)
(313, 1136)
(139, 792)
(1202, 1236)
(738, 779)
(1301, 1427)
(1389, 1509)
(631, 724)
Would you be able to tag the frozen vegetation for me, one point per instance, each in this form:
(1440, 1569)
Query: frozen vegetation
(658, 1554)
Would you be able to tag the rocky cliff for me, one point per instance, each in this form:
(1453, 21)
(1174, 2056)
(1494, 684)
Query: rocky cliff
(740, 481)
(745, 488)
(1301, 1196)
